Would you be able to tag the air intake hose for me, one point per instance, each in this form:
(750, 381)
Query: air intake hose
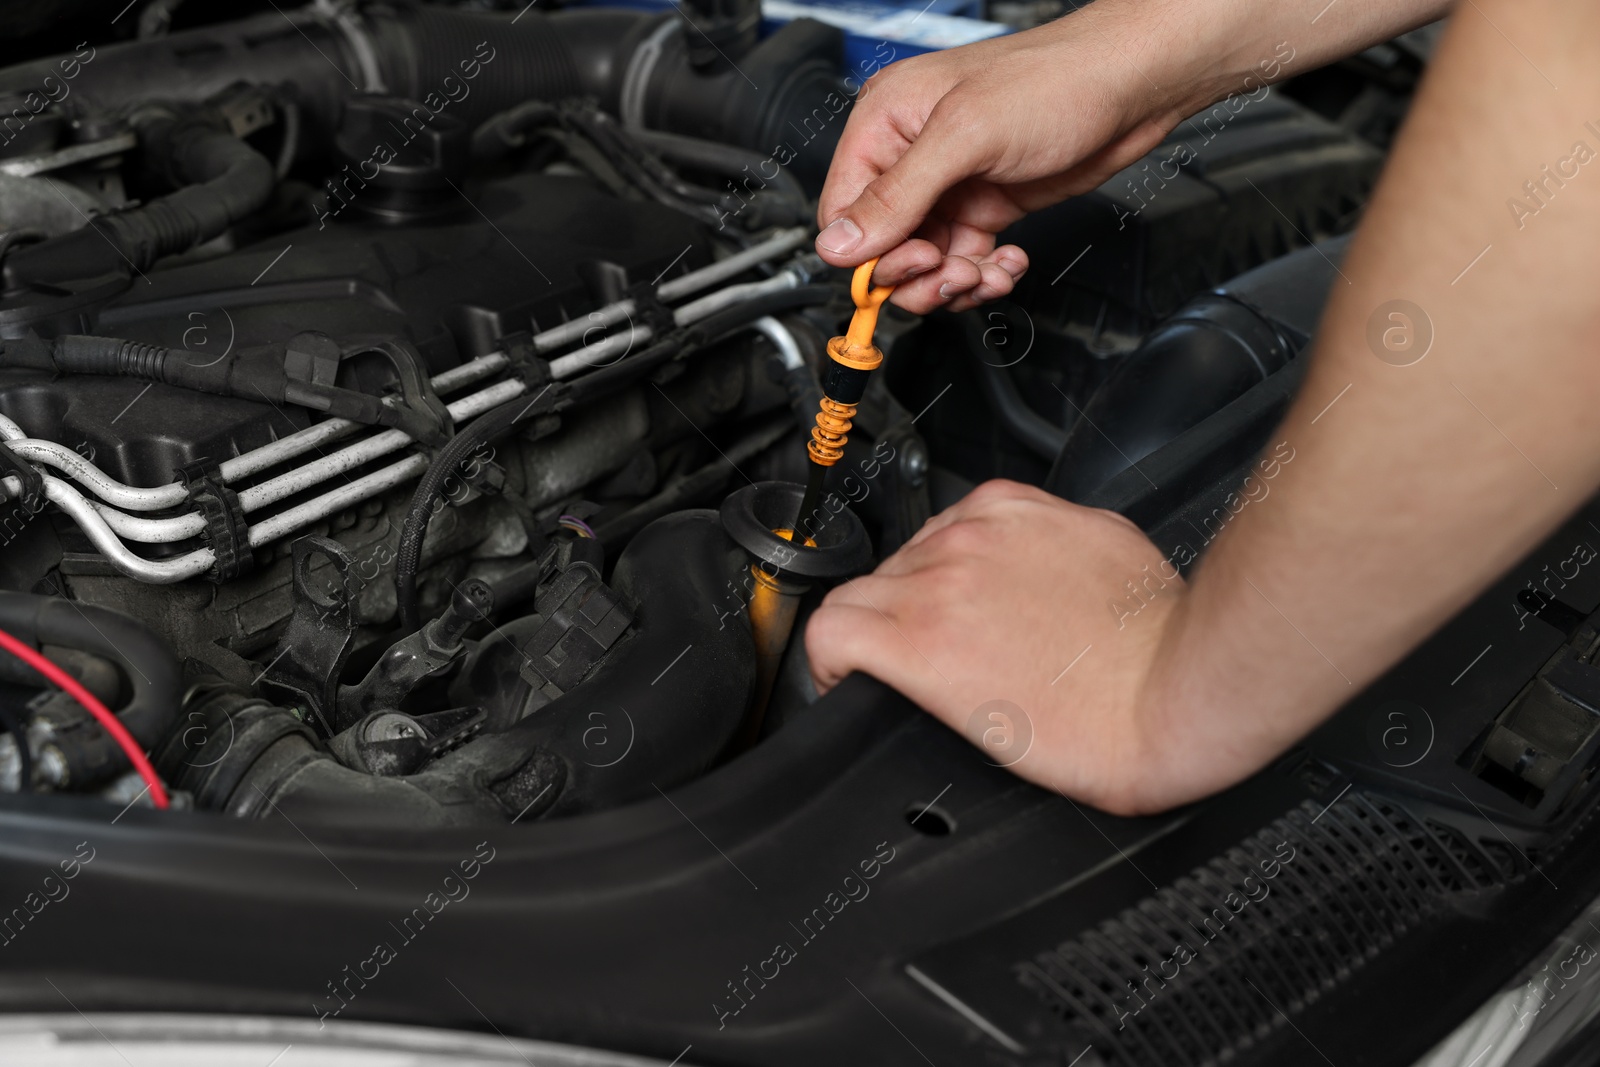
(224, 180)
(677, 571)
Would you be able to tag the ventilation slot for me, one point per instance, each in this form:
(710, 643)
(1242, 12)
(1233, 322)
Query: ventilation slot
(1217, 960)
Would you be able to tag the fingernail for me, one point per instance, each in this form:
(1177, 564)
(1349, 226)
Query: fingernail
(916, 272)
(1013, 268)
(947, 290)
(841, 236)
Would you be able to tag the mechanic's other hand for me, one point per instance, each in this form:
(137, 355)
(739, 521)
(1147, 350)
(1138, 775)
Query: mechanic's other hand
(943, 151)
(998, 598)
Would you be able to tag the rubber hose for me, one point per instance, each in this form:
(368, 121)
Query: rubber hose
(731, 161)
(80, 354)
(228, 179)
(508, 130)
(676, 570)
(737, 164)
(145, 661)
(1189, 367)
(1035, 432)
(425, 44)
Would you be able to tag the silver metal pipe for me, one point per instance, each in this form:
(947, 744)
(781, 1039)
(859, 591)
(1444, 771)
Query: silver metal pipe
(363, 452)
(156, 498)
(773, 247)
(151, 531)
(712, 303)
(783, 340)
(285, 522)
(103, 524)
(600, 354)
(622, 311)
(299, 443)
(107, 488)
(567, 332)
(155, 572)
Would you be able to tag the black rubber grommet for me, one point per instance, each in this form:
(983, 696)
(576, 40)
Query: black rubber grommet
(751, 514)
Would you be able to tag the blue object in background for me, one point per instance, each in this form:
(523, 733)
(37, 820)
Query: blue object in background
(877, 32)
(908, 29)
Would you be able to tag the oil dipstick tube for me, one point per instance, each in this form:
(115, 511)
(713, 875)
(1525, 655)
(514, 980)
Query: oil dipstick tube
(852, 358)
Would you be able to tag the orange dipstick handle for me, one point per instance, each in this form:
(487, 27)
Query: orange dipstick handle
(856, 356)
(868, 301)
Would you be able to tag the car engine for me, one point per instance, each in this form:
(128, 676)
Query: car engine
(403, 428)
(369, 377)
(364, 400)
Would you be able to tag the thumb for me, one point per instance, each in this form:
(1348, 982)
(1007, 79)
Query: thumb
(846, 636)
(889, 208)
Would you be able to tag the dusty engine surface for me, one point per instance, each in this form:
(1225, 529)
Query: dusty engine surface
(386, 412)
(390, 378)
(398, 402)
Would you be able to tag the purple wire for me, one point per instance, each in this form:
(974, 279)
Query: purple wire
(573, 520)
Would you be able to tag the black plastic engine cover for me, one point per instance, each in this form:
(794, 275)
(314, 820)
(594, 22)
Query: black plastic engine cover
(518, 255)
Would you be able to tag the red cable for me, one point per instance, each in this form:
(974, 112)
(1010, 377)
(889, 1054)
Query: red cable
(112, 724)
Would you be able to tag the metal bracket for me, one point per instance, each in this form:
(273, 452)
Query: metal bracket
(311, 654)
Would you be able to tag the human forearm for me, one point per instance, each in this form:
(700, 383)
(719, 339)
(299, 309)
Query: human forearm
(1421, 483)
(1183, 56)
(944, 151)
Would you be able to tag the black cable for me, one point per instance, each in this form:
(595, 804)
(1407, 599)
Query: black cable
(779, 200)
(713, 328)
(504, 133)
(486, 428)
(501, 420)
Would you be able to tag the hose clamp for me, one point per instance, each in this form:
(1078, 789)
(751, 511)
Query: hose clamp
(344, 17)
(641, 66)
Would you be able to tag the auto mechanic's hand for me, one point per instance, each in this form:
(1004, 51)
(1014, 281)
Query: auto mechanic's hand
(993, 599)
(943, 151)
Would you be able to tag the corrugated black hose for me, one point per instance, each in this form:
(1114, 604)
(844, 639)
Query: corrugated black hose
(226, 180)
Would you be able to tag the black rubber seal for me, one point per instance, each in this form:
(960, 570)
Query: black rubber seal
(751, 514)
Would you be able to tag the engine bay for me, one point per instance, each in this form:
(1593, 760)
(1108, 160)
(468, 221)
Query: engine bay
(403, 411)
(370, 450)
